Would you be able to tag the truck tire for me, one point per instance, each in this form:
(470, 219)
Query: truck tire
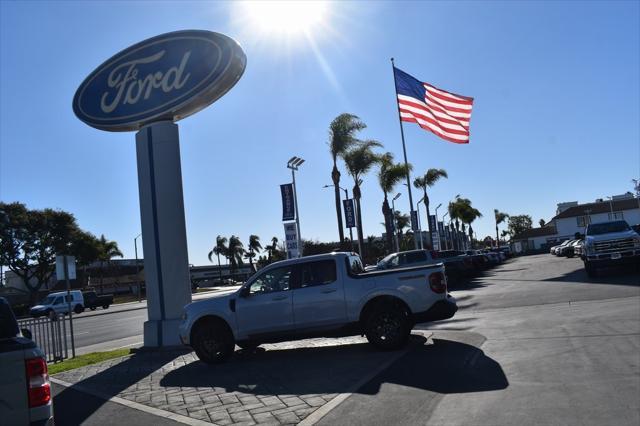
(105, 306)
(78, 309)
(387, 327)
(589, 268)
(212, 341)
(93, 308)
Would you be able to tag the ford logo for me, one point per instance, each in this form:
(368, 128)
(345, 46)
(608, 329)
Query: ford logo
(167, 77)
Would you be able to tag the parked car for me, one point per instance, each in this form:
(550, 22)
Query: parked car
(456, 263)
(57, 303)
(25, 391)
(562, 247)
(555, 248)
(569, 250)
(578, 249)
(92, 300)
(326, 295)
(610, 243)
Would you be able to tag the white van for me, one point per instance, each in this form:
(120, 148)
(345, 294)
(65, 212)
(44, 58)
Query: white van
(57, 303)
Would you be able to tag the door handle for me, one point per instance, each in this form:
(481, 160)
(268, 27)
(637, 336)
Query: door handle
(280, 297)
(329, 290)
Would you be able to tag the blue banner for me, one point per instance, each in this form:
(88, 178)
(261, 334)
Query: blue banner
(349, 213)
(414, 220)
(288, 207)
(432, 223)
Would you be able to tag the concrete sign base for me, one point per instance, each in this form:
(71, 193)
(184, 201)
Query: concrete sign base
(166, 263)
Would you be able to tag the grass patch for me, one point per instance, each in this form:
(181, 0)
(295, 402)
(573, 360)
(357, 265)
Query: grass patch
(87, 359)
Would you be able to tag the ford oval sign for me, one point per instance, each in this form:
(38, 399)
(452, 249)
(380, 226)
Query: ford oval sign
(167, 77)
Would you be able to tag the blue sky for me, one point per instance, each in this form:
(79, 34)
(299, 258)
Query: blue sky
(556, 88)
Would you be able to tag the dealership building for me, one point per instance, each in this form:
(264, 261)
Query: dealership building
(572, 218)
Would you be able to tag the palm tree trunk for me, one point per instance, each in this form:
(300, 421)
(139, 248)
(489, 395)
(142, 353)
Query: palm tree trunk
(426, 204)
(335, 176)
(497, 236)
(219, 268)
(388, 217)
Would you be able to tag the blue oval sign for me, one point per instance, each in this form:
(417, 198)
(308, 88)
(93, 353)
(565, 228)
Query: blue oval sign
(167, 77)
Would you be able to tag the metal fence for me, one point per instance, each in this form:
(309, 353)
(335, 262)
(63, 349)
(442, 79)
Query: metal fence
(51, 334)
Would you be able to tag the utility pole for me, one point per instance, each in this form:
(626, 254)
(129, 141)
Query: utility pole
(293, 164)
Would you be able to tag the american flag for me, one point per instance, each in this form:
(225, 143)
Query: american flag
(436, 110)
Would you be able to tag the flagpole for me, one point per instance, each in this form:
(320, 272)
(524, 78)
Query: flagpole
(404, 151)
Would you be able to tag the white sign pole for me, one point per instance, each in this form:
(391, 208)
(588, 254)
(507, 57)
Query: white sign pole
(164, 239)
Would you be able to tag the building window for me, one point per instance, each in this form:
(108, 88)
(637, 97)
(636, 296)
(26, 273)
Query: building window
(583, 221)
(616, 216)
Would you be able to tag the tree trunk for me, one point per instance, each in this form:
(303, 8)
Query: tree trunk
(497, 236)
(388, 217)
(426, 205)
(458, 245)
(335, 177)
(219, 268)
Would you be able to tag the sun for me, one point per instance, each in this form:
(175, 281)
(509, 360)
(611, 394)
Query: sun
(285, 17)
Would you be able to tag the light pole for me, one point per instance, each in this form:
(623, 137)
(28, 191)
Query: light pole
(611, 207)
(293, 164)
(393, 218)
(135, 248)
(346, 197)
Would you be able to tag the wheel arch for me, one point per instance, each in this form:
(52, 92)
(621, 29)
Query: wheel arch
(383, 300)
(210, 318)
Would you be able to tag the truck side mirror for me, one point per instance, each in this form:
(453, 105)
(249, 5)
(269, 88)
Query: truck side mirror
(26, 333)
(245, 292)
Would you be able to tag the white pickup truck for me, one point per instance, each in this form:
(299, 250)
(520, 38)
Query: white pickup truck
(608, 244)
(327, 295)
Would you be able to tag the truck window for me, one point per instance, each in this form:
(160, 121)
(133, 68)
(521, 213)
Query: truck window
(277, 279)
(318, 273)
(8, 324)
(415, 257)
(354, 265)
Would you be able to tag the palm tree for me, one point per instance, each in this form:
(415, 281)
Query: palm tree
(389, 175)
(271, 248)
(219, 249)
(254, 247)
(455, 213)
(342, 137)
(106, 251)
(500, 217)
(402, 221)
(427, 181)
(359, 161)
(469, 214)
(235, 250)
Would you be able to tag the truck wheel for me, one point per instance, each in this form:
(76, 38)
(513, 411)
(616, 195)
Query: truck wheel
(387, 327)
(93, 308)
(591, 271)
(78, 309)
(213, 342)
(105, 306)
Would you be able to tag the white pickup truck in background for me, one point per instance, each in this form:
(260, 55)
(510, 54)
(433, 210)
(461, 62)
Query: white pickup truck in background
(326, 295)
(609, 244)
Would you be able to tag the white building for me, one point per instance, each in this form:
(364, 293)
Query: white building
(572, 218)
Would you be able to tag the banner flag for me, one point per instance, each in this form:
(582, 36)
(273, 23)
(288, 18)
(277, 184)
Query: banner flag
(414, 220)
(288, 207)
(349, 213)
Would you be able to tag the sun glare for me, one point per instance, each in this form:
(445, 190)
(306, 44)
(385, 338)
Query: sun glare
(287, 17)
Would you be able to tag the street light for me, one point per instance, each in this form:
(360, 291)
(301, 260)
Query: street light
(135, 247)
(293, 164)
(436, 225)
(393, 219)
(446, 240)
(346, 195)
(419, 225)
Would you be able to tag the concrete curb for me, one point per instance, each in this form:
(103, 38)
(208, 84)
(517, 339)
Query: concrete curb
(137, 406)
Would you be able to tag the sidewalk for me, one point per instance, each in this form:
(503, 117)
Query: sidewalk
(284, 383)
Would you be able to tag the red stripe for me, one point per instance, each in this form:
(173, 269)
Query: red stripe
(444, 111)
(413, 120)
(436, 123)
(452, 120)
(446, 107)
(450, 93)
(448, 99)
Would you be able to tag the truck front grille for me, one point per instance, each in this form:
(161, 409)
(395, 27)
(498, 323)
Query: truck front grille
(613, 245)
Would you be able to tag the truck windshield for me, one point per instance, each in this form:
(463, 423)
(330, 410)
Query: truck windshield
(607, 227)
(47, 300)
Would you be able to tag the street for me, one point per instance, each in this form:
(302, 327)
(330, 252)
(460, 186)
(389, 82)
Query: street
(534, 342)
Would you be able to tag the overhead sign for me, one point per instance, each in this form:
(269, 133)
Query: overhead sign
(288, 205)
(432, 223)
(349, 213)
(164, 78)
(291, 240)
(71, 267)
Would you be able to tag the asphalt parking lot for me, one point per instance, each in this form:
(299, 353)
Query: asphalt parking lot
(535, 342)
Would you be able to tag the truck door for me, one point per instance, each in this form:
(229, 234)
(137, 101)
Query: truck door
(269, 307)
(318, 299)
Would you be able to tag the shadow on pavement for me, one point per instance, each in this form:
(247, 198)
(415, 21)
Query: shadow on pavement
(445, 366)
(70, 409)
(619, 275)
